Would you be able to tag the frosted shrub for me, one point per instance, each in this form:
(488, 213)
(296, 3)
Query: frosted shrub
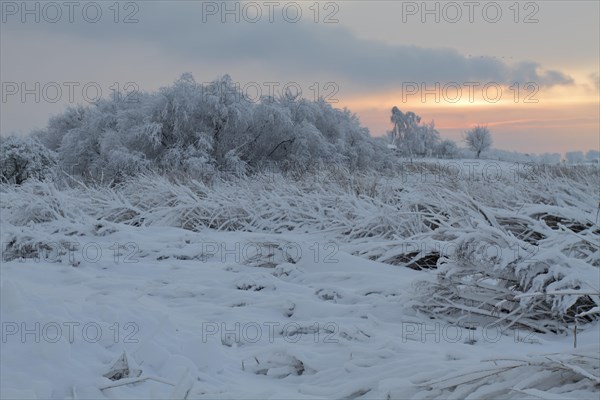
(23, 158)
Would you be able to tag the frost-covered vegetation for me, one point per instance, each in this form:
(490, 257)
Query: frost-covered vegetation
(193, 129)
(25, 158)
(190, 128)
(504, 249)
(496, 244)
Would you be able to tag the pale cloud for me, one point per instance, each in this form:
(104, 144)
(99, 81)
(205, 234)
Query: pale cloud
(171, 38)
(298, 49)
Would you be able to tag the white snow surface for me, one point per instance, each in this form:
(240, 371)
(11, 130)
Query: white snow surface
(173, 311)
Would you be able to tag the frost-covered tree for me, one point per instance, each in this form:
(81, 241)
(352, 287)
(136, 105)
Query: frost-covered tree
(479, 139)
(447, 149)
(396, 119)
(410, 136)
(60, 125)
(404, 125)
(429, 138)
(80, 152)
(227, 113)
(22, 158)
(406, 133)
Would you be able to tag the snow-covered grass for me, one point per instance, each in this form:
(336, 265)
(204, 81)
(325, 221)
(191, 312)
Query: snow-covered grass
(343, 285)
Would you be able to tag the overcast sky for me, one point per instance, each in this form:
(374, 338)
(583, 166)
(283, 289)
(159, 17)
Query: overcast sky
(366, 55)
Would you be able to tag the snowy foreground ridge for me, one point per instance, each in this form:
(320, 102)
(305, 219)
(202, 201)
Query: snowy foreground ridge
(320, 287)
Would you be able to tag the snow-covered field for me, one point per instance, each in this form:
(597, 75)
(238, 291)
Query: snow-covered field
(272, 288)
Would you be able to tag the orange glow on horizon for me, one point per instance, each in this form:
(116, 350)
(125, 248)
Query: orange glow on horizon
(563, 117)
(471, 98)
